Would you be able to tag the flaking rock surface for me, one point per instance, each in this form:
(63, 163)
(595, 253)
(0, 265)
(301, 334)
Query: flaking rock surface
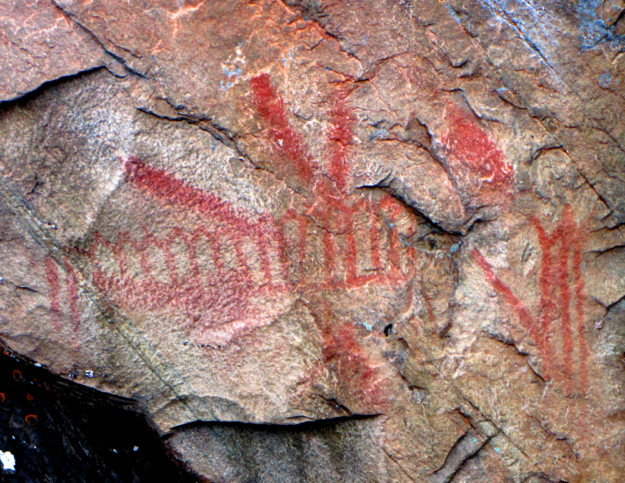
(326, 241)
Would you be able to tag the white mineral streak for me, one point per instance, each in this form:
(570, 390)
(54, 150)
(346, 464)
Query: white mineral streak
(8, 461)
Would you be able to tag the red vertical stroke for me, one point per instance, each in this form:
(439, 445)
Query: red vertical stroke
(277, 232)
(242, 261)
(52, 275)
(170, 261)
(547, 305)
(120, 254)
(522, 313)
(563, 233)
(271, 107)
(72, 287)
(340, 136)
(98, 277)
(580, 297)
(216, 251)
(290, 215)
(262, 243)
(350, 257)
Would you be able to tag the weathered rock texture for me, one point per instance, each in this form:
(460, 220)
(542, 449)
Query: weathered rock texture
(327, 241)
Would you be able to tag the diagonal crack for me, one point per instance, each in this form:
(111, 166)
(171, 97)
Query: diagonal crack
(106, 50)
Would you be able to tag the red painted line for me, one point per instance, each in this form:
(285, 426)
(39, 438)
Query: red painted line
(242, 261)
(177, 234)
(216, 250)
(340, 138)
(120, 254)
(287, 141)
(561, 275)
(167, 188)
(170, 260)
(580, 298)
(283, 248)
(263, 242)
(563, 233)
(524, 316)
(547, 305)
(52, 275)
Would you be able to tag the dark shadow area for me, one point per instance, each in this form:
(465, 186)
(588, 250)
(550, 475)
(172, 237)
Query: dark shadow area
(58, 431)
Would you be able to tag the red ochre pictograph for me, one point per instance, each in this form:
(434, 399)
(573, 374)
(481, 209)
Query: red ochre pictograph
(219, 263)
(475, 164)
(558, 329)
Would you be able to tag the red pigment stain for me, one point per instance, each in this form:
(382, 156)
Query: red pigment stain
(222, 295)
(471, 151)
(561, 257)
(340, 137)
(547, 307)
(287, 141)
(344, 355)
(562, 276)
(580, 297)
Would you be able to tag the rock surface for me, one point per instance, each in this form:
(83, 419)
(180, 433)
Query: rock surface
(326, 241)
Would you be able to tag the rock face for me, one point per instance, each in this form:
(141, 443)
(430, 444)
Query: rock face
(326, 241)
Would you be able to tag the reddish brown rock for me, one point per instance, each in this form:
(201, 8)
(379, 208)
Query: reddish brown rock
(38, 44)
(389, 233)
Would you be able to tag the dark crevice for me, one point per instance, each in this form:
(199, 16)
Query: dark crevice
(385, 185)
(25, 97)
(280, 427)
(603, 251)
(59, 430)
(464, 449)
